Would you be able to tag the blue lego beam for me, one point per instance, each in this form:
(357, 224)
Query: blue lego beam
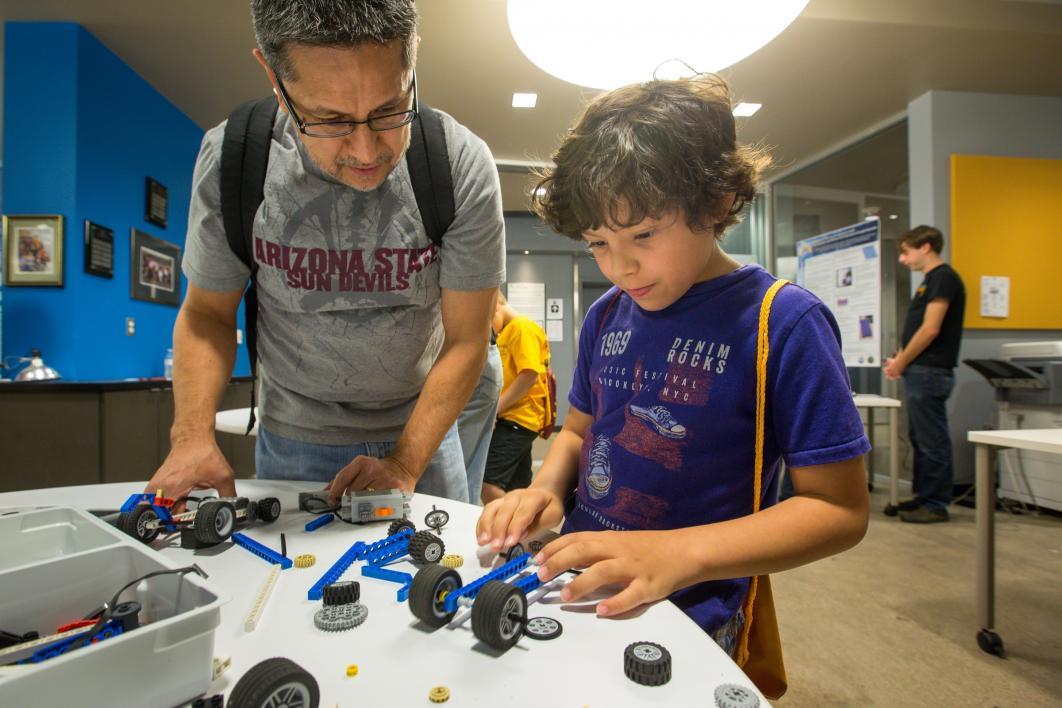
(472, 589)
(395, 576)
(264, 552)
(356, 552)
(320, 521)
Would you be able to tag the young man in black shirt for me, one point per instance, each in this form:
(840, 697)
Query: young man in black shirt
(930, 353)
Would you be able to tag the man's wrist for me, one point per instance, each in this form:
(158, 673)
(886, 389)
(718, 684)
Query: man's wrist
(191, 435)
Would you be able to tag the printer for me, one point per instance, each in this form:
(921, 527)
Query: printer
(1027, 379)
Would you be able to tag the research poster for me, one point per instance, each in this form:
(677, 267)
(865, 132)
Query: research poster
(843, 268)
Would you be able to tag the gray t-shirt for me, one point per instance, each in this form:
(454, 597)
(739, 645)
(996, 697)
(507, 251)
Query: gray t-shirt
(349, 317)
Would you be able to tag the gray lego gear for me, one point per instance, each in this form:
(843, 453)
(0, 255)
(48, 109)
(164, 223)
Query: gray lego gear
(731, 695)
(336, 618)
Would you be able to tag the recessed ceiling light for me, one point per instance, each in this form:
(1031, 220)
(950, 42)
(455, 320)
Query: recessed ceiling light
(744, 110)
(525, 100)
(527, 253)
(605, 44)
(894, 216)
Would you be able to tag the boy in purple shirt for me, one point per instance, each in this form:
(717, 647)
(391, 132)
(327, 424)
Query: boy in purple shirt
(653, 472)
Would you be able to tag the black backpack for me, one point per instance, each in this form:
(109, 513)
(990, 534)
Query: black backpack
(245, 156)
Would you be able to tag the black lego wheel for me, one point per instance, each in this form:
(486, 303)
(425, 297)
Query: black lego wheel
(436, 519)
(515, 552)
(399, 524)
(543, 628)
(134, 523)
(499, 614)
(269, 509)
(990, 642)
(430, 586)
(891, 510)
(252, 512)
(214, 522)
(342, 592)
(426, 547)
(273, 683)
(647, 663)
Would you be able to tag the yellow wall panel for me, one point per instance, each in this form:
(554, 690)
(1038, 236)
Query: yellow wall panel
(1006, 220)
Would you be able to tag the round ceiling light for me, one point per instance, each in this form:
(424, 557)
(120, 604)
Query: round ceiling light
(608, 43)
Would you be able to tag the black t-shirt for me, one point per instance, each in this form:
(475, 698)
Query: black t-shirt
(941, 283)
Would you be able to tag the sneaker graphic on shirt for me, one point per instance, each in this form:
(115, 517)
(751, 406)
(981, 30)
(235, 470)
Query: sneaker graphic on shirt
(599, 477)
(660, 418)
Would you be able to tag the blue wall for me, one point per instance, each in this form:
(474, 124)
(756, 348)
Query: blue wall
(82, 131)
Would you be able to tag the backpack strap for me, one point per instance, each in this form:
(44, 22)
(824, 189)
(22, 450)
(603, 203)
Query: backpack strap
(244, 158)
(429, 170)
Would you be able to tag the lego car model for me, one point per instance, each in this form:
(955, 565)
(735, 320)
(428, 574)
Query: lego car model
(212, 521)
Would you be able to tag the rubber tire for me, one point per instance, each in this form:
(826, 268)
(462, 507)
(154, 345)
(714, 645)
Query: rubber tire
(263, 680)
(515, 552)
(252, 513)
(647, 672)
(269, 509)
(489, 624)
(990, 642)
(890, 510)
(206, 519)
(427, 584)
(426, 547)
(399, 524)
(129, 522)
(341, 592)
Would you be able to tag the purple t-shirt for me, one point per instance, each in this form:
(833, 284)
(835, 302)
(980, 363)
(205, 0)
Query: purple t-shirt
(673, 397)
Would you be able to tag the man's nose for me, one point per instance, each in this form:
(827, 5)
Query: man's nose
(362, 145)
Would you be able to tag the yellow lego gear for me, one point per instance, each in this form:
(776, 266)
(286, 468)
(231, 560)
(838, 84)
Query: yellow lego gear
(305, 560)
(352, 670)
(439, 694)
(452, 561)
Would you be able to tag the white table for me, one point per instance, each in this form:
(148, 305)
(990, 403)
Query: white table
(399, 660)
(234, 421)
(870, 401)
(986, 442)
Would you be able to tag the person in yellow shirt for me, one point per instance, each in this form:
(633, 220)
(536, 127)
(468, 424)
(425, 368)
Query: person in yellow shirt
(523, 404)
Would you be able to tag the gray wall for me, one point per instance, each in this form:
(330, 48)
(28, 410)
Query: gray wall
(943, 123)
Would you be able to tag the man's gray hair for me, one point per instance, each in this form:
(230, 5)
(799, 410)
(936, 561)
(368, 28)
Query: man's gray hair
(331, 23)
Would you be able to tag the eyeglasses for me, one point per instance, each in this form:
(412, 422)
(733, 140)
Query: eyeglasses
(339, 128)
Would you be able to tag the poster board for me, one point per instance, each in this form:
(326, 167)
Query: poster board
(1006, 222)
(843, 268)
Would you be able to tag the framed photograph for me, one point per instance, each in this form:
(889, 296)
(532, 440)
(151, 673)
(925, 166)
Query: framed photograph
(99, 250)
(156, 269)
(33, 250)
(156, 203)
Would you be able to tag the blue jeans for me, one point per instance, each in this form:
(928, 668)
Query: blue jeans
(476, 422)
(277, 457)
(927, 389)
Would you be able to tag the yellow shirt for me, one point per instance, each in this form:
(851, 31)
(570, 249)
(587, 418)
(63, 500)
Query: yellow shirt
(523, 347)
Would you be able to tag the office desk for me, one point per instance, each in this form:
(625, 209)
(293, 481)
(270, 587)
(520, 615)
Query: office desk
(986, 442)
(399, 659)
(870, 401)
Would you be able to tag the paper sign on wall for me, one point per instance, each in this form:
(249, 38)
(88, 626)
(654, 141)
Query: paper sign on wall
(995, 296)
(555, 308)
(529, 299)
(555, 330)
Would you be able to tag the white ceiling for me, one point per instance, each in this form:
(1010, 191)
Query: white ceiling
(842, 66)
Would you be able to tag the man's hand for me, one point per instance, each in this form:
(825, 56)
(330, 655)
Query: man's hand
(190, 466)
(519, 513)
(893, 368)
(651, 564)
(365, 472)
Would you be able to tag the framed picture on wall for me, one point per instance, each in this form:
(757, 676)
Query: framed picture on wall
(156, 203)
(33, 250)
(156, 269)
(99, 250)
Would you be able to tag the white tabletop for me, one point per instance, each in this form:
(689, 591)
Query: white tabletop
(1041, 440)
(862, 400)
(399, 660)
(234, 421)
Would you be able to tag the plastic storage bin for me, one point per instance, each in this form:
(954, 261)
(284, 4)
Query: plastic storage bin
(59, 564)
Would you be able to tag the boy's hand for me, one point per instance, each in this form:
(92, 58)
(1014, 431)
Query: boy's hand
(523, 511)
(651, 564)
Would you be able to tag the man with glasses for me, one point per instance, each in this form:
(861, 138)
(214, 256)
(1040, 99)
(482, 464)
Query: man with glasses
(370, 337)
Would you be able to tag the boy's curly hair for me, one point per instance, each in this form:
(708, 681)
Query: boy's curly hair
(648, 149)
